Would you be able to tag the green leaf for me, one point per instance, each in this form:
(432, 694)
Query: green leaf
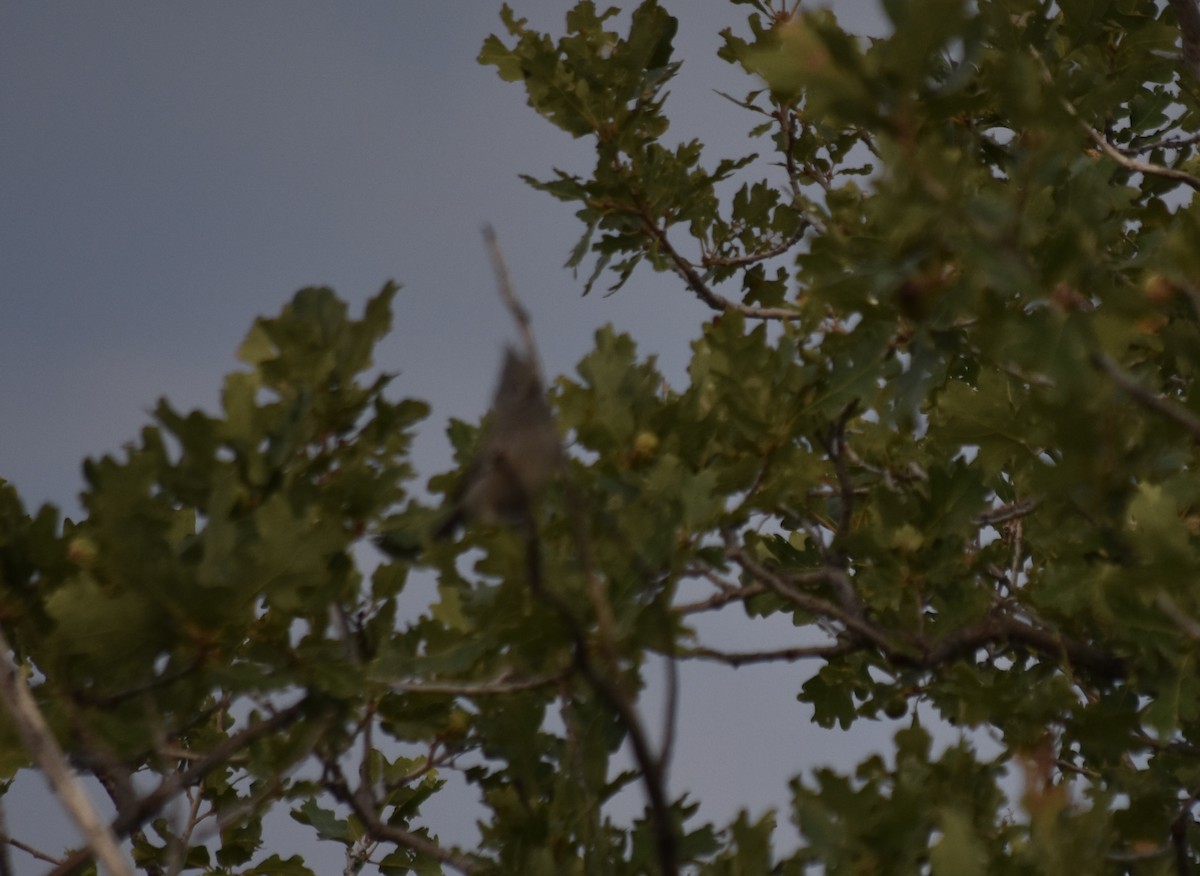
(327, 825)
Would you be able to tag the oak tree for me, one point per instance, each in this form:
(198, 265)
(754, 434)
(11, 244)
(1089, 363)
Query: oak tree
(943, 419)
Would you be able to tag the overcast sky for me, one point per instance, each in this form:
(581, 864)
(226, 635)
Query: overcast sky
(171, 171)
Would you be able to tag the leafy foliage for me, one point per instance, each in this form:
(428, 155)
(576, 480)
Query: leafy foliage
(944, 417)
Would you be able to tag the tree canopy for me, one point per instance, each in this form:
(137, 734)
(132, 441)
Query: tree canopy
(943, 418)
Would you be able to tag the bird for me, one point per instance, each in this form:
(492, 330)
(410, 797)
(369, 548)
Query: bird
(518, 453)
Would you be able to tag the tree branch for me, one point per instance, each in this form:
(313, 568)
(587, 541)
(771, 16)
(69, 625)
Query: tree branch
(502, 685)
(784, 587)
(1174, 412)
(1137, 165)
(696, 283)
(997, 628)
(1098, 138)
(652, 768)
(46, 754)
(32, 852)
(745, 259)
(335, 782)
(724, 597)
(781, 655)
(509, 296)
(1012, 511)
(1003, 629)
(786, 116)
(839, 579)
(152, 803)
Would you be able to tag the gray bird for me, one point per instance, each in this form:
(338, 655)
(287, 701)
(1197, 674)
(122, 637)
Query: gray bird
(518, 453)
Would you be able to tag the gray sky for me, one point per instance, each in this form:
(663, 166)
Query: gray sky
(171, 171)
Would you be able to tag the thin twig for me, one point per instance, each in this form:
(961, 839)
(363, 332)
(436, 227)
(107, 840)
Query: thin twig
(836, 447)
(504, 684)
(1102, 142)
(745, 259)
(786, 117)
(1164, 143)
(1138, 166)
(671, 712)
(46, 753)
(1017, 530)
(150, 805)
(839, 579)
(701, 570)
(1011, 511)
(779, 655)
(783, 587)
(32, 852)
(1176, 413)
(1005, 629)
(156, 683)
(179, 844)
(997, 628)
(652, 768)
(509, 296)
(739, 594)
(696, 283)
(335, 782)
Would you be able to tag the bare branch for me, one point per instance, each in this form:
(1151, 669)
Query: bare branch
(1137, 165)
(781, 655)
(786, 116)
(154, 684)
(783, 587)
(194, 817)
(836, 447)
(1003, 628)
(1098, 137)
(32, 852)
(1016, 528)
(335, 783)
(150, 805)
(509, 296)
(696, 283)
(1164, 143)
(1172, 411)
(46, 753)
(997, 628)
(753, 258)
(671, 712)
(502, 685)
(1011, 511)
(717, 600)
